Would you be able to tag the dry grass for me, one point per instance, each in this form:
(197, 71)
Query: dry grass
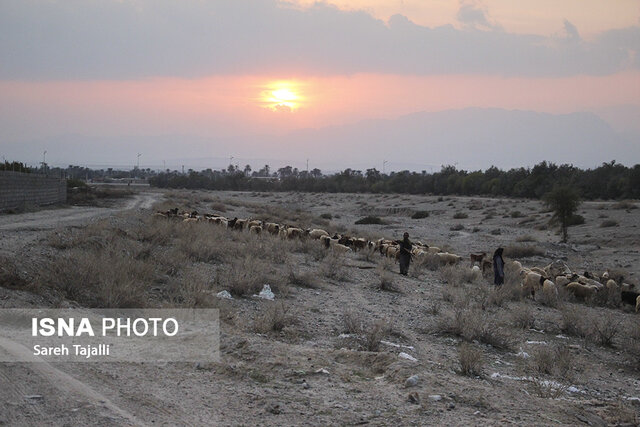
(522, 251)
(471, 360)
(473, 324)
(526, 238)
(247, 276)
(303, 280)
(606, 328)
(523, 317)
(100, 278)
(385, 277)
(274, 318)
(456, 275)
(332, 267)
(373, 334)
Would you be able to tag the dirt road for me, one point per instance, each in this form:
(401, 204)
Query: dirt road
(18, 230)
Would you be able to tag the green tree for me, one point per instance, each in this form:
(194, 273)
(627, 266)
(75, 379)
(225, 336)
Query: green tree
(564, 202)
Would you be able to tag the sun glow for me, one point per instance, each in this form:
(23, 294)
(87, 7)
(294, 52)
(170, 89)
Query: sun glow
(283, 95)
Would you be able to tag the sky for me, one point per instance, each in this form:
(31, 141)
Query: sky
(95, 82)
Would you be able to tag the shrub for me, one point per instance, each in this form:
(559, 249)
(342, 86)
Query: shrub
(245, 276)
(605, 329)
(274, 319)
(332, 267)
(522, 251)
(575, 220)
(457, 227)
(420, 215)
(460, 215)
(456, 275)
(523, 317)
(108, 278)
(624, 204)
(219, 206)
(370, 220)
(552, 360)
(373, 334)
(304, 280)
(574, 322)
(471, 359)
(516, 214)
(609, 223)
(352, 324)
(326, 216)
(386, 280)
(473, 324)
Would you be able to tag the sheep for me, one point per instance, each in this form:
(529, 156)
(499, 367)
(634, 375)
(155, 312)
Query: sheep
(562, 281)
(486, 265)
(549, 288)
(581, 291)
(272, 228)
(191, 220)
(517, 265)
(255, 229)
(556, 268)
(477, 258)
(326, 241)
(538, 270)
(434, 250)
(531, 281)
(589, 282)
(240, 224)
(316, 233)
(392, 251)
(360, 243)
(253, 222)
(638, 304)
(612, 286)
(340, 248)
(447, 258)
(294, 232)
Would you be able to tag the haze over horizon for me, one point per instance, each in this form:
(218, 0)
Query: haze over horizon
(343, 84)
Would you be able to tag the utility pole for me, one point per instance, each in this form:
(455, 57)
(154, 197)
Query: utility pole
(182, 169)
(384, 163)
(138, 164)
(164, 166)
(44, 158)
(307, 166)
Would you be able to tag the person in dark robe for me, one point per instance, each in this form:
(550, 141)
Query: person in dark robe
(404, 254)
(498, 267)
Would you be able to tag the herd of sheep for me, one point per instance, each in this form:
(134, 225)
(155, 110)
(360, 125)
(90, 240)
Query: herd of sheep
(535, 279)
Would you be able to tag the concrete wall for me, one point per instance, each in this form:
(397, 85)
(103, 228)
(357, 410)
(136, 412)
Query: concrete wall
(18, 190)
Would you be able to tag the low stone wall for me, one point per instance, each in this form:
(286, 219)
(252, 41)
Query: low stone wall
(18, 190)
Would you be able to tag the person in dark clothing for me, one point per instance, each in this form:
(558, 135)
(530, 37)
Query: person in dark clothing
(404, 253)
(498, 267)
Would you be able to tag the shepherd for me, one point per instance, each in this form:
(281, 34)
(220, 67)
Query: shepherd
(404, 253)
(498, 267)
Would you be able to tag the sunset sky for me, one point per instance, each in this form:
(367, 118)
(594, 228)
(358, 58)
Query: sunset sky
(94, 82)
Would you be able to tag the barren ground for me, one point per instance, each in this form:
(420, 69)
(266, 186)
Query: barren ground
(336, 359)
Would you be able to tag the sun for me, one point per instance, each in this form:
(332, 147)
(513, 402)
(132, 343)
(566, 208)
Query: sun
(282, 95)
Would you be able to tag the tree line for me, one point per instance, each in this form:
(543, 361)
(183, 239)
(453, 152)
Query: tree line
(608, 181)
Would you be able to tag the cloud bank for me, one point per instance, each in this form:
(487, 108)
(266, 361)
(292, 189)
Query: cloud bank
(132, 39)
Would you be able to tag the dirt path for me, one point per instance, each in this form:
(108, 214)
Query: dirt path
(49, 219)
(16, 231)
(61, 390)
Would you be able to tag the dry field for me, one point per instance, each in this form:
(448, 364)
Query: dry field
(347, 340)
